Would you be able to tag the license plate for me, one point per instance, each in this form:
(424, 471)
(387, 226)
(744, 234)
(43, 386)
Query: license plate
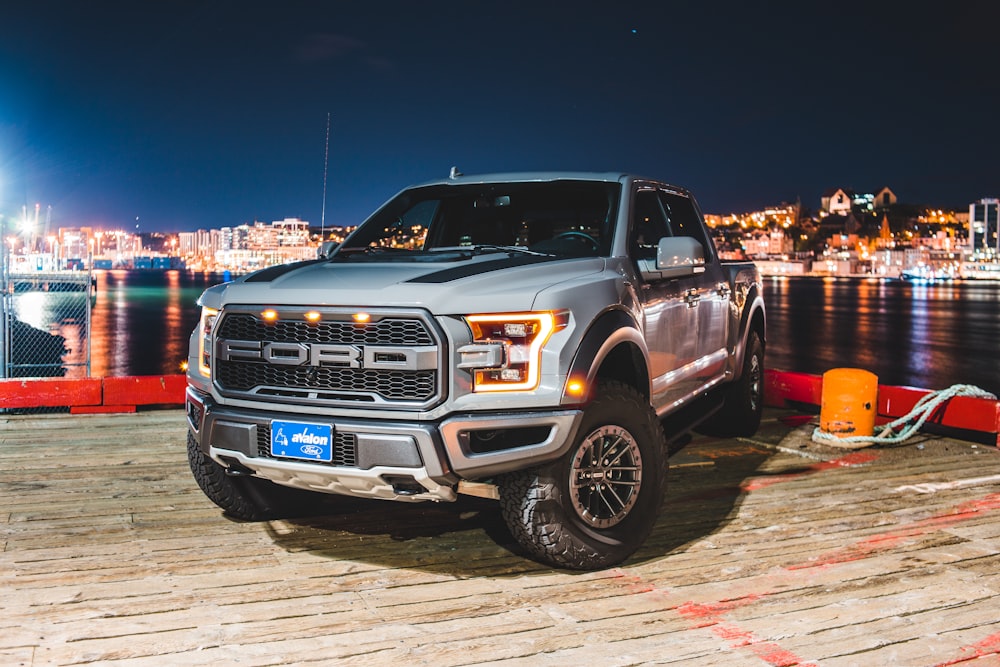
(302, 440)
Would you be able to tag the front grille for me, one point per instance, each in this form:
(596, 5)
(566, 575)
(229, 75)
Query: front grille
(247, 326)
(345, 382)
(345, 447)
(336, 379)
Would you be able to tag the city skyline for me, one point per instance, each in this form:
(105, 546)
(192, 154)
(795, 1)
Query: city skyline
(192, 115)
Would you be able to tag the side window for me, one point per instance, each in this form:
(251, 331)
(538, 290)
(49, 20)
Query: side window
(683, 219)
(649, 225)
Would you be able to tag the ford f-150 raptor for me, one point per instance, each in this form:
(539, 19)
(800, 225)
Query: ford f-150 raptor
(517, 336)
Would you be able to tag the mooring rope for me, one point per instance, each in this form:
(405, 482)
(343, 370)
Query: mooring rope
(908, 424)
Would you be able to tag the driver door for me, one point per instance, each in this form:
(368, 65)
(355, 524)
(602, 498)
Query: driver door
(670, 324)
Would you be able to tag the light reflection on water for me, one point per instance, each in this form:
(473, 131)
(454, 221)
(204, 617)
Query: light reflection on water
(142, 319)
(929, 336)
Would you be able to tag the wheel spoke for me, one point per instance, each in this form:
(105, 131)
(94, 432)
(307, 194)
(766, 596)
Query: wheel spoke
(609, 490)
(606, 476)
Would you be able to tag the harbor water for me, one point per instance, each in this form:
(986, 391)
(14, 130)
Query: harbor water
(930, 336)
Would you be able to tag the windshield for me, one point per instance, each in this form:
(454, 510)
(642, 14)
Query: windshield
(558, 218)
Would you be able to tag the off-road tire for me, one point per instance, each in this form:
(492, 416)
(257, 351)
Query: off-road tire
(743, 401)
(586, 514)
(246, 498)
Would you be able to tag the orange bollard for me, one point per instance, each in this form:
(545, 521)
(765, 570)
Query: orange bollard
(848, 402)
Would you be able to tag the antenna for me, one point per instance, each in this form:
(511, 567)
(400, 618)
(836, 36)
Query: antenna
(326, 163)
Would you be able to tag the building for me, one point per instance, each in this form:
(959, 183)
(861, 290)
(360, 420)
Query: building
(843, 201)
(984, 227)
(836, 201)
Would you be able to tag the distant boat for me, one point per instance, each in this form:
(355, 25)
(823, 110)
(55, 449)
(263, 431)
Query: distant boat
(926, 275)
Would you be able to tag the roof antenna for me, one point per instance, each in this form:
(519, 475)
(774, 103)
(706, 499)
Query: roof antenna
(326, 163)
(455, 173)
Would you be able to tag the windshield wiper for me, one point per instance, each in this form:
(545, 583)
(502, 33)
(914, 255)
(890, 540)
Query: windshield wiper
(483, 248)
(370, 250)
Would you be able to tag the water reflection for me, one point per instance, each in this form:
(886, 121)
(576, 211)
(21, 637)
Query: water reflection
(142, 319)
(925, 336)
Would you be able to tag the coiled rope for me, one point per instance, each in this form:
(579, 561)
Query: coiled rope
(908, 424)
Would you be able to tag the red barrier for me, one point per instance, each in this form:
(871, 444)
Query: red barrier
(87, 395)
(49, 392)
(781, 389)
(963, 413)
(144, 389)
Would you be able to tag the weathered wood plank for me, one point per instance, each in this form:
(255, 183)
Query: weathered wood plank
(768, 553)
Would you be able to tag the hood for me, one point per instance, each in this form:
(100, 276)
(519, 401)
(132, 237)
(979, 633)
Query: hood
(488, 283)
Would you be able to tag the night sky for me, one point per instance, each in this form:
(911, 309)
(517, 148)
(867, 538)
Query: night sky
(188, 115)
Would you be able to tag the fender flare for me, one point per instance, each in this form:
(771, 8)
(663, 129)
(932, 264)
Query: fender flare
(607, 332)
(753, 310)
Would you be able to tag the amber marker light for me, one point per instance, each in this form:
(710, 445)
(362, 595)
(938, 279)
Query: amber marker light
(576, 388)
(269, 315)
(361, 318)
(312, 316)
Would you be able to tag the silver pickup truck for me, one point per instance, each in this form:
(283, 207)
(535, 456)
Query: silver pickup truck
(537, 338)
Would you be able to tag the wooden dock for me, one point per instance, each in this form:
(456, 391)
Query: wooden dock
(771, 551)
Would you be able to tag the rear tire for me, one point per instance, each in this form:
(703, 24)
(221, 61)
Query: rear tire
(594, 506)
(246, 498)
(743, 401)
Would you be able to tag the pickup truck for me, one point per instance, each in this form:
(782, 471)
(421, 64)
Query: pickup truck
(539, 339)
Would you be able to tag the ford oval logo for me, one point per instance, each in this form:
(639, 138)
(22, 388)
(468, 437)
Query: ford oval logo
(310, 450)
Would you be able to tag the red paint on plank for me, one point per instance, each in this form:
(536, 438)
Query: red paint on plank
(851, 460)
(981, 649)
(710, 616)
(889, 540)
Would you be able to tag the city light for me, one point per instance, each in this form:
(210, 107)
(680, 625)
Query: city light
(784, 239)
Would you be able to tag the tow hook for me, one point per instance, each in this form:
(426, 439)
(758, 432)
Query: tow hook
(237, 469)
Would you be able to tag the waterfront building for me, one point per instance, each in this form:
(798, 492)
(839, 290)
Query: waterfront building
(767, 242)
(984, 228)
(844, 201)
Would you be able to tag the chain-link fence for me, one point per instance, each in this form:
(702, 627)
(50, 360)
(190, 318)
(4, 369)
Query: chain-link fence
(45, 327)
(47, 317)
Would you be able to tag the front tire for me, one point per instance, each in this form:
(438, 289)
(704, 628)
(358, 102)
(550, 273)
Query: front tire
(594, 506)
(246, 498)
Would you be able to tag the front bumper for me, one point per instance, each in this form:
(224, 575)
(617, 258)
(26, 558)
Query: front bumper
(382, 458)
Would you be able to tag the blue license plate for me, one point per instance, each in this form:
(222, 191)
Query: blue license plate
(302, 440)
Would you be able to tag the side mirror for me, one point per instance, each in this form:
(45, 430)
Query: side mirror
(676, 256)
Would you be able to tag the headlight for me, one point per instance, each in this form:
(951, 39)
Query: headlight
(506, 353)
(208, 317)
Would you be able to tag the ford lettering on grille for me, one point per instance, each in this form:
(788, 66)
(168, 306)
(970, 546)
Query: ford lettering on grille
(394, 360)
(319, 354)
